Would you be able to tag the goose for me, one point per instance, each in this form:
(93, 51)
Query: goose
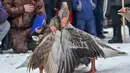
(125, 12)
(63, 51)
(66, 49)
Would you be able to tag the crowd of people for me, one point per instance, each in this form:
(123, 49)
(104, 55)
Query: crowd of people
(16, 18)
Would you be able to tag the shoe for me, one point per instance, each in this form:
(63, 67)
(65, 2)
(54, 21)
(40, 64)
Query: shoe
(104, 32)
(1, 52)
(101, 36)
(115, 40)
(117, 37)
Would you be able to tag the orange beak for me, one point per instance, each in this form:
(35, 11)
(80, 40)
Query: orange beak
(63, 21)
(122, 11)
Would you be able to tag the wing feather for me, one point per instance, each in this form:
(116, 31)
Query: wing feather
(37, 58)
(64, 52)
(77, 45)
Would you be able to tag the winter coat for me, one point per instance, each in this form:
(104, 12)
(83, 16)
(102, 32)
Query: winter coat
(111, 3)
(3, 13)
(21, 22)
(100, 1)
(86, 12)
(119, 2)
(51, 3)
(17, 13)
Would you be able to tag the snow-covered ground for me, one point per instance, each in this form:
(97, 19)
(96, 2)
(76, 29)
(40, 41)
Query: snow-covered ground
(9, 61)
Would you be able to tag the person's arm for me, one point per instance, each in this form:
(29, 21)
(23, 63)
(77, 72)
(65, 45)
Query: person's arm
(3, 13)
(95, 2)
(54, 4)
(40, 9)
(12, 10)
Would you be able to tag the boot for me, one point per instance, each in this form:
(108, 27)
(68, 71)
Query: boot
(1, 52)
(117, 37)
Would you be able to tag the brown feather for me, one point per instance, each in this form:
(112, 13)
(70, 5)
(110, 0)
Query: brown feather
(37, 59)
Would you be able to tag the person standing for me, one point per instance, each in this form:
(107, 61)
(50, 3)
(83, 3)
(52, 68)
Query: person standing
(4, 24)
(21, 14)
(125, 12)
(99, 18)
(84, 15)
(50, 7)
(112, 10)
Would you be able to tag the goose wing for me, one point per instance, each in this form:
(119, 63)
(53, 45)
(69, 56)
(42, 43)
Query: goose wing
(77, 44)
(127, 16)
(37, 58)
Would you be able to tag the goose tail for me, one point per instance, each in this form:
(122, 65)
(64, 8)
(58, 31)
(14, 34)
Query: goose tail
(110, 52)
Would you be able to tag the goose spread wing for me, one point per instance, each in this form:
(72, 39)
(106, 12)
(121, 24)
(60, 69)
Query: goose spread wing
(83, 43)
(76, 45)
(37, 58)
(64, 51)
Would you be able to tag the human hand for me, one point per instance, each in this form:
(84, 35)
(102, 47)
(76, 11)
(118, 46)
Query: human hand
(38, 30)
(94, 6)
(79, 7)
(29, 8)
(55, 9)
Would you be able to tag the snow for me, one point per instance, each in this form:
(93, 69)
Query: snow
(9, 61)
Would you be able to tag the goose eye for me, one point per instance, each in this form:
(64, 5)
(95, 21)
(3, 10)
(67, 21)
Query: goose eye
(128, 9)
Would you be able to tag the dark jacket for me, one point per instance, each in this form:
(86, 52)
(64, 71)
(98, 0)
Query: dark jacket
(51, 3)
(3, 13)
(119, 2)
(112, 3)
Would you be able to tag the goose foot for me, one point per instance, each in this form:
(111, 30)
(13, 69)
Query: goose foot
(92, 71)
(41, 69)
(93, 67)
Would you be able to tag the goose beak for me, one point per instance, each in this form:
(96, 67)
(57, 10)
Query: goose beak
(122, 12)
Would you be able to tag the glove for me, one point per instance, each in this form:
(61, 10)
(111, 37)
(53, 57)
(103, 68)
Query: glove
(79, 7)
(93, 4)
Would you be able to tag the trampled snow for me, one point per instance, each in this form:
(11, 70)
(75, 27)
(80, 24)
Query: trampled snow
(9, 61)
